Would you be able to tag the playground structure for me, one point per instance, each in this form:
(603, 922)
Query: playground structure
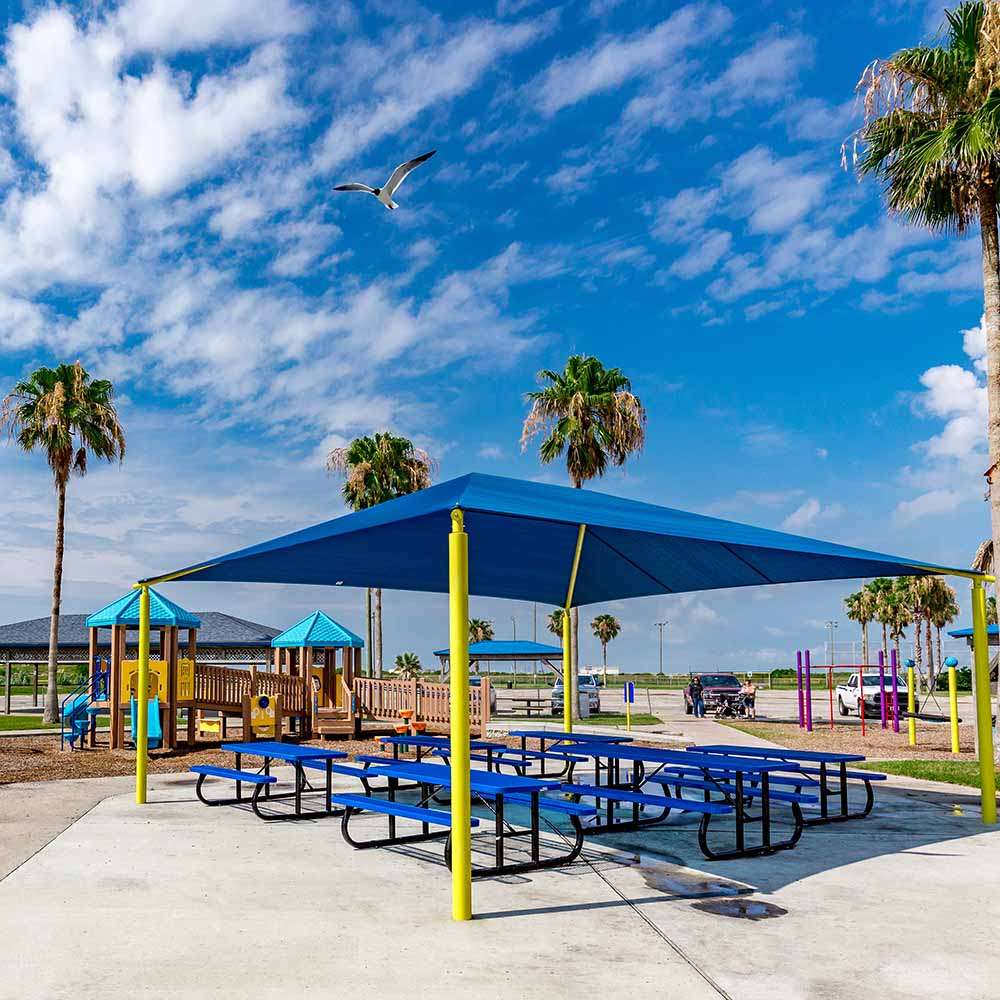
(312, 689)
(888, 697)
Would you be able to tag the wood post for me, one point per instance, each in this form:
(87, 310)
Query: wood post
(117, 722)
(91, 671)
(6, 690)
(34, 696)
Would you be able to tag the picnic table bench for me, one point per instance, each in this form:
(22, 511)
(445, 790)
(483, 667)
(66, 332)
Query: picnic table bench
(495, 791)
(649, 761)
(813, 762)
(557, 740)
(300, 757)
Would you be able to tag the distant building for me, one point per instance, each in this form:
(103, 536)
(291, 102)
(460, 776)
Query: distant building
(222, 638)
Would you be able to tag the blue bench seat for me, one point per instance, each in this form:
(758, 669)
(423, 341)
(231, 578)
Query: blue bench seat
(250, 777)
(526, 755)
(725, 786)
(563, 806)
(405, 810)
(833, 773)
(645, 799)
(688, 771)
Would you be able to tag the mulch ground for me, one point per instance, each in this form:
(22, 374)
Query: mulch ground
(933, 739)
(38, 758)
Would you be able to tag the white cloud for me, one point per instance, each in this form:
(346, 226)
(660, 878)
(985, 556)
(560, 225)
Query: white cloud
(616, 59)
(401, 85)
(702, 255)
(809, 513)
(940, 501)
(763, 72)
(491, 452)
(778, 191)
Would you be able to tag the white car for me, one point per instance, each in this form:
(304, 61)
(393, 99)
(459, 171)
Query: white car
(587, 684)
(847, 694)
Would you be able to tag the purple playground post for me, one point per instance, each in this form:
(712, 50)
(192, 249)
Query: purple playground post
(883, 708)
(798, 670)
(894, 667)
(807, 666)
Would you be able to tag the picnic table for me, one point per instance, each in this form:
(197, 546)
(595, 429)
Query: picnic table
(649, 761)
(557, 738)
(436, 745)
(800, 761)
(300, 757)
(531, 705)
(494, 790)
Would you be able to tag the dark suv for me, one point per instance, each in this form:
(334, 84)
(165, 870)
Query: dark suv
(713, 685)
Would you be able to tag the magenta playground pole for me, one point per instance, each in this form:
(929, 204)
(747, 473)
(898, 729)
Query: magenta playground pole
(798, 670)
(883, 707)
(807, 667)
(894, 667)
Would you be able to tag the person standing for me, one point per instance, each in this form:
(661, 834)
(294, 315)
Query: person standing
(697, 693)
(749, 692)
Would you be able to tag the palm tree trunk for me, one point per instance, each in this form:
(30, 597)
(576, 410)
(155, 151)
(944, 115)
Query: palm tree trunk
(930, 656)
(378, 632)
(369, 650)
(52, 689)
(885, 642)
(940, 659)
(864, 642)
(604, 659)
(991, 321)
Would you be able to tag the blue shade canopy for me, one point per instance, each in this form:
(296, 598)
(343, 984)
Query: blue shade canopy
(317, 629)
(522, 538)
(506, 649)
(125, 611)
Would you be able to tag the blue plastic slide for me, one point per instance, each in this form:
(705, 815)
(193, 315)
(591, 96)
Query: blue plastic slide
(154, 733)
(75, 718)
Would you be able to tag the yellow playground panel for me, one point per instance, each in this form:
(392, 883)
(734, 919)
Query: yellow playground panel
(262, 714)
(157, 687)
(185, 680)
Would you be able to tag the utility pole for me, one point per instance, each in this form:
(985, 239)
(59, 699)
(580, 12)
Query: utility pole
(831, 626)
(534, 623)
(661, 626)
(513, 625)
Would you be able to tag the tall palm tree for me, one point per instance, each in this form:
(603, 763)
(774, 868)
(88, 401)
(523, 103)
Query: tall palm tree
(944, 613)
(69, 416)
(898, 613)
(589, 414)
(860, 608)
(991, 610)
(605, 628)
(932, 135)
(883, 611)
(377, 468)
(408, 666)
(480, 630)
(553, 622)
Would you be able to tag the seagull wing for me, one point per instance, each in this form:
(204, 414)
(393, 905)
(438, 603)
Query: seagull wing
(399, 174)
(354, 187)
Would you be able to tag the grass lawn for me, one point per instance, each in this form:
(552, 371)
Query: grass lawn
(618, 719)
(12, 723)
(954, 772)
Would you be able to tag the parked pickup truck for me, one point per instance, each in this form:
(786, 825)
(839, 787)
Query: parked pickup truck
(847, 695)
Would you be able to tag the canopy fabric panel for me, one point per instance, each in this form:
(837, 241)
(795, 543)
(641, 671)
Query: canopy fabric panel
(522, 539)
(506, 649)
(125, 611)
(318, 630)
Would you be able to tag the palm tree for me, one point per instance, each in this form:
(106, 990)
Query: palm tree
(377, 468)
(897, 610)
(605, 628)
(408, 666)
(480, 630)
(554, 622)
(860, 607)
(991, 611)
(590, 414)
(64, 413)
(881, 589)
(932, 135)
(944, 613)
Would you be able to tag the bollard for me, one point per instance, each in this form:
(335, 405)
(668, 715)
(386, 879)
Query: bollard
(894, 666)
(807, 667)
(798, 674)
(951, 663)
(883, 708)
(911, 706)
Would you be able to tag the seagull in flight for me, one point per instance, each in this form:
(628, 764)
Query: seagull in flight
(385, 193)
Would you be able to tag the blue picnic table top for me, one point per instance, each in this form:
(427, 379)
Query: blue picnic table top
(778, 753)
(554, 734)
(654, 755)
(437, 741)
(274, 750)
(481, 781)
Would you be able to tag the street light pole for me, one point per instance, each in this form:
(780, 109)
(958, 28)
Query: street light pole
(831, 626)
(513, 623)
(661, 626)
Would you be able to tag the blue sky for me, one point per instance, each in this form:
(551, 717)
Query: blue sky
(656, 183)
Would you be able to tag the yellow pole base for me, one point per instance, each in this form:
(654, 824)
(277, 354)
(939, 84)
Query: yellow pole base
(911, 707)
(953, 708)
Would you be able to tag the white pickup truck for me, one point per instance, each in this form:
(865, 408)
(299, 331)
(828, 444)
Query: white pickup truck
(847, 695)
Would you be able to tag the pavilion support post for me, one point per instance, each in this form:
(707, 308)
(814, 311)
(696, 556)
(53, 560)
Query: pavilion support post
(461, 796)
(6, 687)
(571, 705)
(984, 715)
(142, 700)
(92, 667)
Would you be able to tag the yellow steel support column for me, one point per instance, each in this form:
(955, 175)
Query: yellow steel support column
(984, 714)
(141, 724)
(911, 706)
(461, 795)
(567, 672)
(569, 677)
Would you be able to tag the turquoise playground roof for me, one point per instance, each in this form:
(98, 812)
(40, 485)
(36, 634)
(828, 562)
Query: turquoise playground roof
(317, 629)
(125, 611)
